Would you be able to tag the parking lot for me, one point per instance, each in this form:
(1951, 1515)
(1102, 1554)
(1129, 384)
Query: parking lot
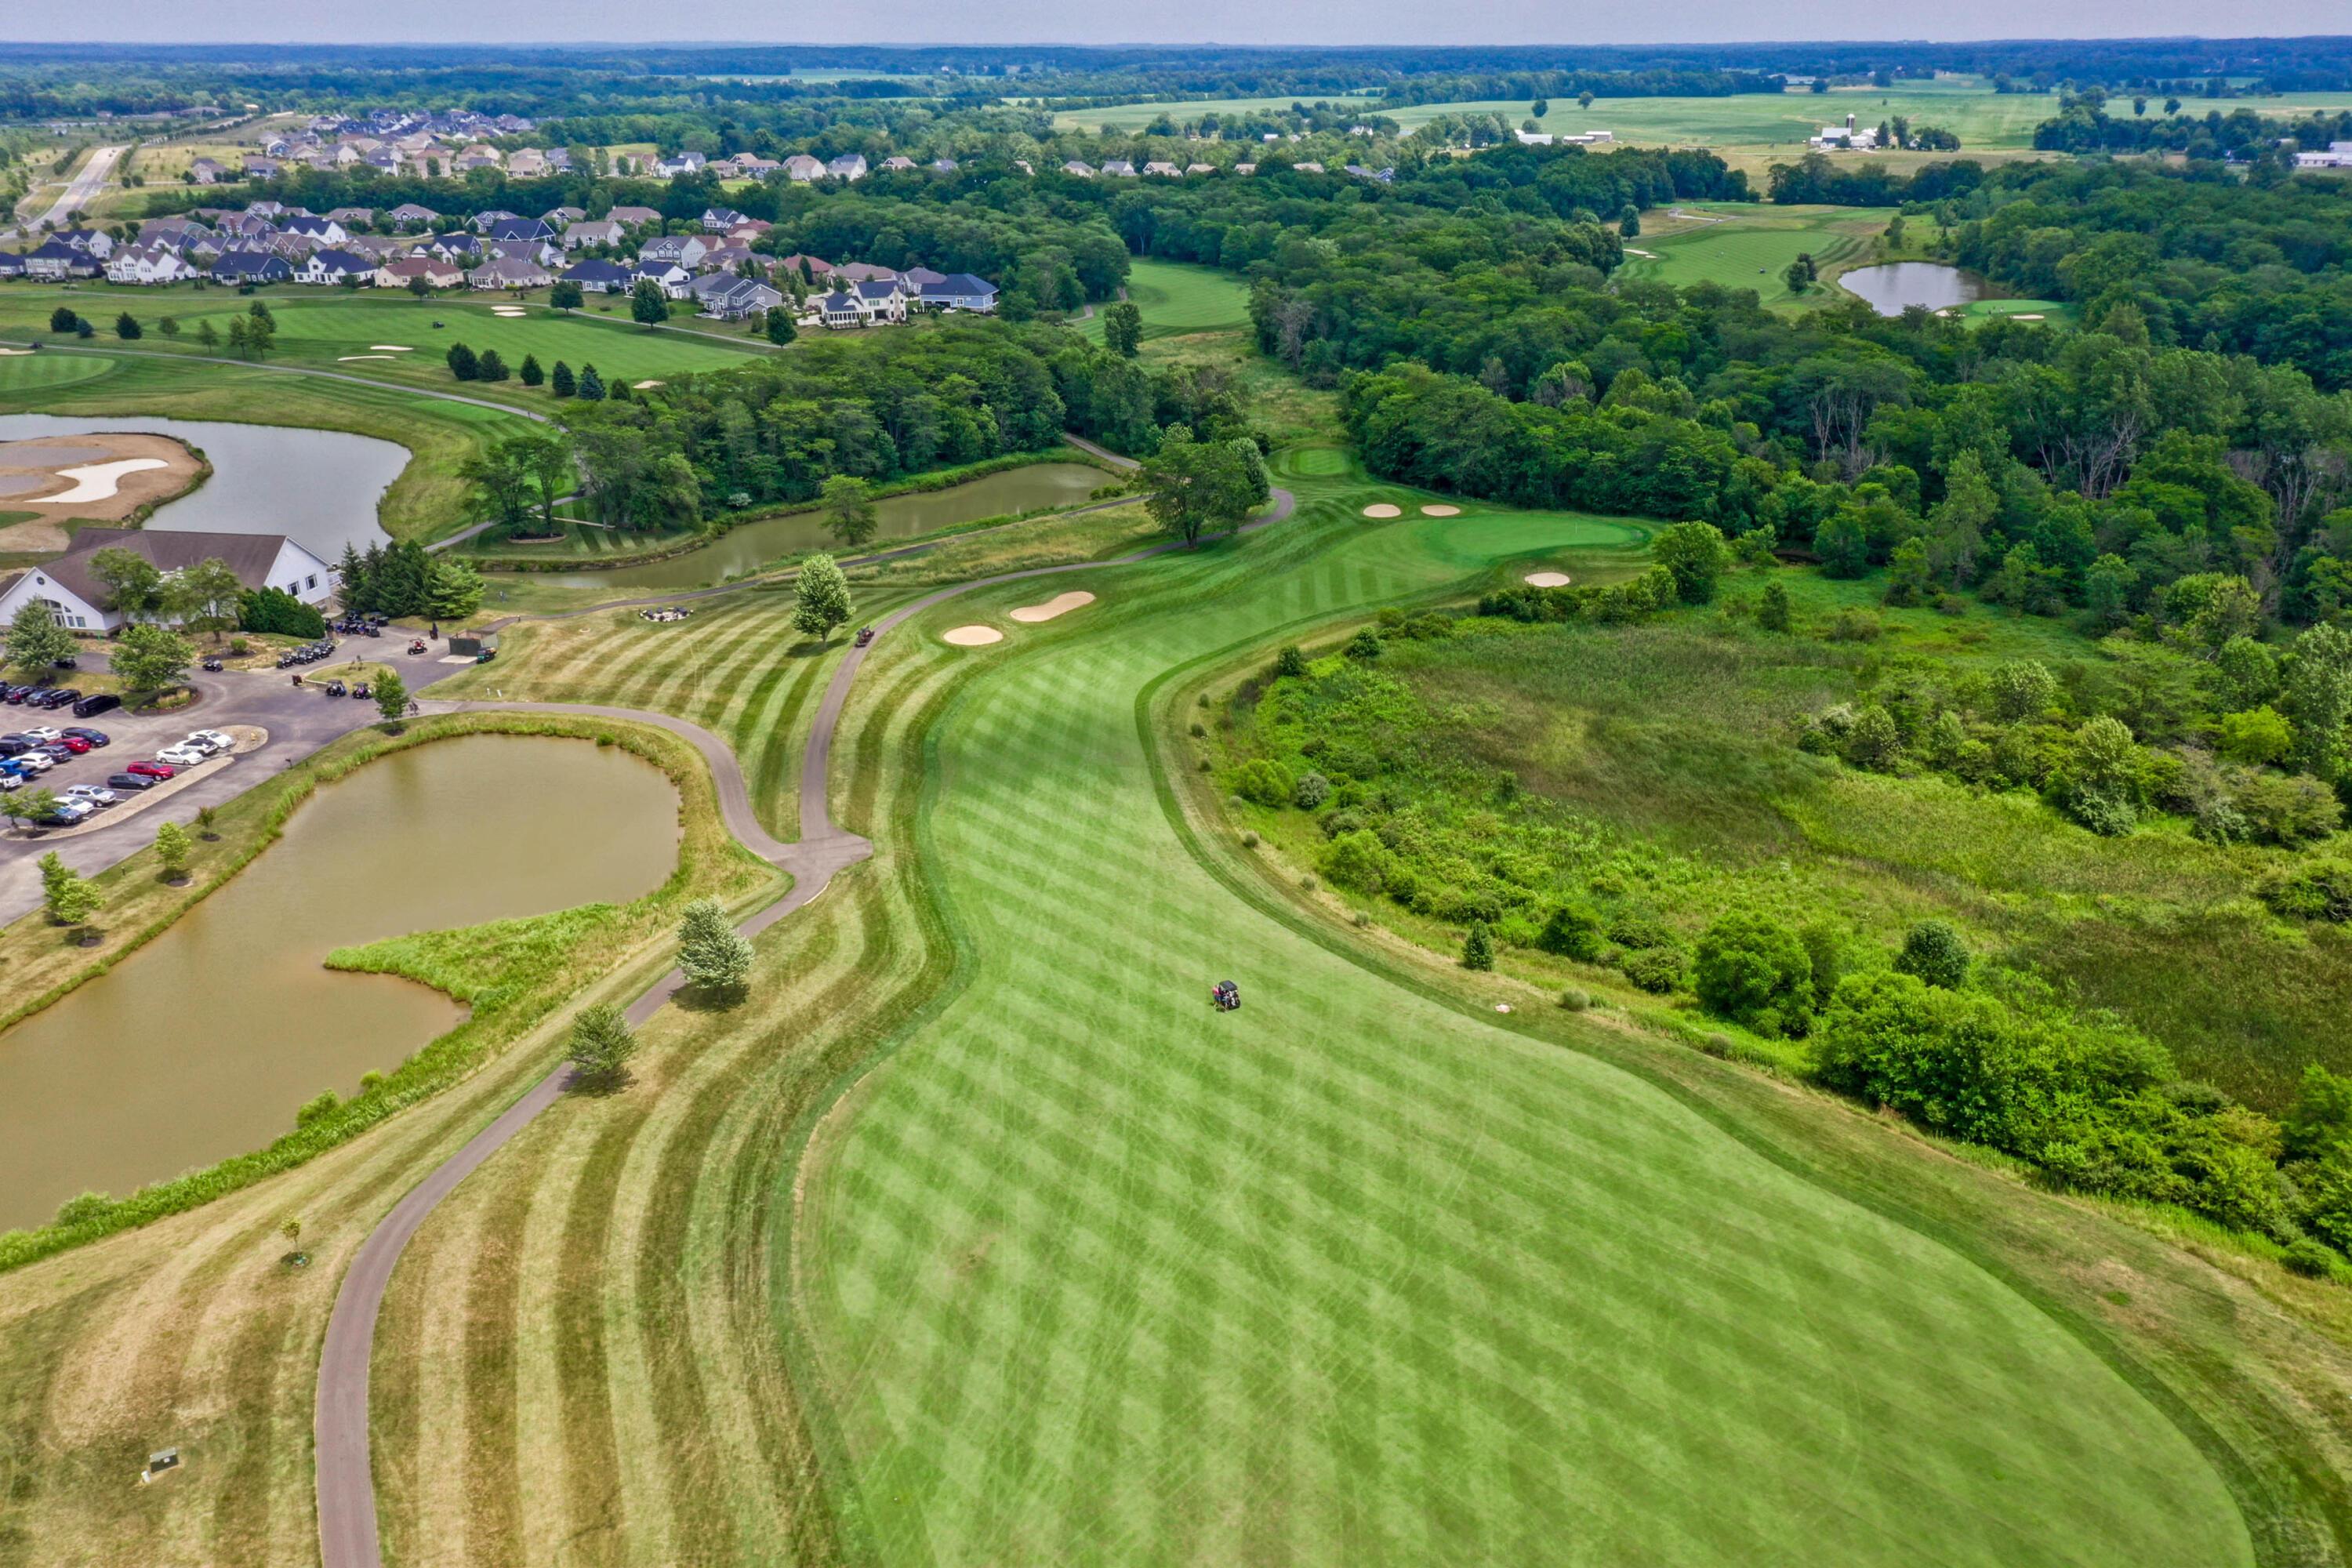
(297, 722)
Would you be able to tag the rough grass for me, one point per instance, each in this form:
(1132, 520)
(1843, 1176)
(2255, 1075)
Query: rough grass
(1751, 246)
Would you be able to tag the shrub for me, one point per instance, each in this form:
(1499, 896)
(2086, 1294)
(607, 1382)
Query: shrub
(2021, 688)
(1290, 663)
(1571, 931)
(1575, 1001)
(273, 610)
(1695, 554)
(1311, 791)
(1874, 742)
(1639, 931)
(1753, 969)
(1263, 782)
(1653, 969)
(1359, 860)
(317, 1106)
(1934, 953)
(85, 1209)
(1478, 947)
(1250, 840)
(1364, 646)
(2309, 1258)
(2315, 891)
(2260, 736)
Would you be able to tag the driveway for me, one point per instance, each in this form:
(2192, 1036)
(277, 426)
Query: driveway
(298, 721)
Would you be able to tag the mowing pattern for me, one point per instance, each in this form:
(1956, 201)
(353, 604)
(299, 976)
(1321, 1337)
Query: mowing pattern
(1095, 1273)
(1753, 253)
(1176, 298)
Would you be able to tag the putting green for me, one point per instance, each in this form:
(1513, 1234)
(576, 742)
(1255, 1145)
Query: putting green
(1090, 1271)
(30, 373)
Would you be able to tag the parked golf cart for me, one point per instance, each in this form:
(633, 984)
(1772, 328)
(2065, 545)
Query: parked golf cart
(1227, 995)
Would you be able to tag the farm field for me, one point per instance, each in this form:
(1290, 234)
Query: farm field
(427, 500)
(1751, 246)
(1133, 117)
(334, 329)
(1177, 297)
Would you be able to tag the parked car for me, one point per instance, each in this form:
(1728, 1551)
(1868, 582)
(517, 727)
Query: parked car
(96, 795)
(183, 756)
(54, 697)
(131, 780)
(95, 737)
(39, 733)
(14, 745)
(17, 693)
(151, 770)
(74, 746)
(36, 762)
(97, 703)
(210, 740)
(10, 783)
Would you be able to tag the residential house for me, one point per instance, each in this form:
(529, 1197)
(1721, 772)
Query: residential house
(563, 217)
(77, 596)
(719, 220)
(730, 299)
(1385, 176)
(2338, 155)
(205, 171)
(944, 165)
(386, 160)
(456, 246)
(1308, 168)
(727, 258)
(634, 217)
(484, 221)
(600, 277)
(256, 168)
(533, 230)
(750, 230)
(675, 281)
(539, 252)
(802, 168)
(848, 167)
(900, 161)
(241, 267)
(684, 164)
(474, 158)
(148, 263)
(959, 291)
(681, 249)
(353, 219)
(436, 273)
(918, 276)
(334, 267)
(755, 167)
(409, 216)
(56, 260)
(863, 272)
(507, 272)
(808, 267)
(588, 236)
(89, 241)
(867, 304)
(1085, 171)
(11, 264)
(175, 232)
(1169, 170)
(526, 164)
(325, 230)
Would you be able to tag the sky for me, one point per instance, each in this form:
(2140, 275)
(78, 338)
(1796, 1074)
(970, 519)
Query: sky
(1195, 21)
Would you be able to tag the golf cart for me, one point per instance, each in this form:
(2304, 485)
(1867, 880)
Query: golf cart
(1227, 995)
(865, 635)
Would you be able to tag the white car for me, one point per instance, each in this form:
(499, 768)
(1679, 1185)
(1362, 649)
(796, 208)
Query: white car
(39, 762)
(96, 795)
(183, 755)
(10, 783)
(42, 733)
(210, 741)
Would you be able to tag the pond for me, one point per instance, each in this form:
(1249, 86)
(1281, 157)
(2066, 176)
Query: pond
(755, 544)
(203, 1043)
(319, 487)
(1898, 285)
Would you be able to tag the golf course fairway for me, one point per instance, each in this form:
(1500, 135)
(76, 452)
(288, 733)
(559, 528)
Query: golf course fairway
(1085, 1270)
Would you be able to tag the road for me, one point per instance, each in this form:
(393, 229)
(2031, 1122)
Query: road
(80, 190)
(348, 1536)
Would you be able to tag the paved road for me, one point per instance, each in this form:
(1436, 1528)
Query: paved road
(348, 1536)
(82, 187)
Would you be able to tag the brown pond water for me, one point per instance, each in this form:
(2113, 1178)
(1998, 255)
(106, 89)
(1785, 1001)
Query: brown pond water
(755, 544)
(201, 1045)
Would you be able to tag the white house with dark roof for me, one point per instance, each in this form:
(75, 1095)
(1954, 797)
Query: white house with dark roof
(675, 281)
(677, 249)
(334, 267)
(803, 168)
(77, 596)
(588, 235)
(600, 277)
(848, 167)
(959, 291)
(730, 299)
(56, 260)
(148, 265)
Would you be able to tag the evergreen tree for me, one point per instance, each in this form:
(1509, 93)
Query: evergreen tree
(351, 577)
(63, 320)
(462, 363)
(1772, 614)
(531, 373)
(601, 1045)
(591, 385)
(648, 304)
(559, 381)
(36, 641)
(780, 328)
(490, 366)
(453, 589)
(127, 328)
(823, 595)
(710, 950)
(1478, 947)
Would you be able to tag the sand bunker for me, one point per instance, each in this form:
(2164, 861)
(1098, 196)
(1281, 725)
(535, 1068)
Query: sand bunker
(1059, 604)
(98, 481)
(1440, 511)
(7, 352)
(346, 359)
(395, 348)
(1547, 579)
(647, 385)
(103, 477)
(2036, 317)
(971, 637)
(1383, 509)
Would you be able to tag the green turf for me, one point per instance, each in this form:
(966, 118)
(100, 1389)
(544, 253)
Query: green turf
(1176, 298)
(1751, 246)
(1093, 1273)
(43, 372)
(1132, 117)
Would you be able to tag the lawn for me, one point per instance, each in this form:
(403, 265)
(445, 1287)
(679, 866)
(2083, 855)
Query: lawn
(1178, 298)
(1750, 247)
(1088, 1271)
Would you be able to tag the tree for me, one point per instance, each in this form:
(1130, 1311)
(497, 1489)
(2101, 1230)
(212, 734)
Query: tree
(462, 363)
(260, 330)
(1843, 544)
(779, 327)
(559, 381)
(490, 366)
(134, 585)
(65, 892)
(418, 288)
(1478, 947)
(150, 658)
(173, 846)
(1695, 554)
(547, 462)
(1629, 221)
(1123, 328)
(127, 328)
(648, 304)
(206, 818)
(565, 295)
(2319, 1122)
(63, 320)
(1934, 953)
(601, 1045)
(822, 598)
(169, 326)
(208, 334)
(1190, 486)
(390, 695)
(1754, 970)
(710, 950)
(36, 641)
(453, 589)
(2021, 688)
(1800, 274)
(1772, 613)
(531, 374)
(1571, 931)
(276, 611)
(849, 510)
(205, 597)
(591, 385)
(502, 481)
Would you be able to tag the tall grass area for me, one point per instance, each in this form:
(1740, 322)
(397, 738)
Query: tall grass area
(1654, 768)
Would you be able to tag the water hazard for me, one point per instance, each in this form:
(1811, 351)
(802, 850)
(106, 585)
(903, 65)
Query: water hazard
(202, 1044)
(1897, 286)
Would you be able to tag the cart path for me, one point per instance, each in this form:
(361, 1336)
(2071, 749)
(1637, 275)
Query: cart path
(348, 1536)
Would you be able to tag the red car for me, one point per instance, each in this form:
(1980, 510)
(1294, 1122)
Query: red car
(73, 743)
(151, 770)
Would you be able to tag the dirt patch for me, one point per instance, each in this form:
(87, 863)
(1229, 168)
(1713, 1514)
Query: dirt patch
(1059, 604)
(105, 478)
(1547, 579)
(971, 637)
(1383, 509)
(1440, 511)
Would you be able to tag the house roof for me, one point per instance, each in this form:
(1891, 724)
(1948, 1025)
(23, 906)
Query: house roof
(249, 555)
(344, 260)
(634, 215)
(875, 288)
(250, 261)
(957, 285)
(598, 272)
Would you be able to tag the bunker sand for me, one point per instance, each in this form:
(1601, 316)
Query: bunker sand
(1059, 604)
(971, 637)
